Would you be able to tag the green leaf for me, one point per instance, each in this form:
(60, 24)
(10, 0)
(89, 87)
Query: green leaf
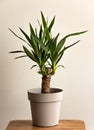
(55, 42)
(62, 52)
(60, 44)
(36, 32)
(71, 45)
(26, 36)
(51, 24)
(59, 56)
(75, 34)
(46, 33)
(16, 51)
(18, 36)
(40, 32)
(49, 45)
(33, 66)
(41, 44)
(43, 20)
(36, 48)
(53, 49)
(31, 30)
(34, 44)
(20, 56)
(62, 41)
(29, 54)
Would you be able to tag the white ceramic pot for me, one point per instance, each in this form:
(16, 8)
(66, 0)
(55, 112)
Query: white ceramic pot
(45, 108)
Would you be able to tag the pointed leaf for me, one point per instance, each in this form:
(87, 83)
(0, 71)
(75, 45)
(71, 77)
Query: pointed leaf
(20, 56)
(71, 45)
(62, 41)
(29, 54)
(33, 66)
(55, 41)
(51, 24)
(31, 30)
(43, 20)
(26, 36)
(16, 51)
(59, 56)
(74, 34)
(18, 36)
(46, 33)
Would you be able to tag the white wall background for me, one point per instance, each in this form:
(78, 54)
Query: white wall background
(77, 79)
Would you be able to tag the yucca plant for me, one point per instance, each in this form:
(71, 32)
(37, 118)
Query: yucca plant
(44, 49)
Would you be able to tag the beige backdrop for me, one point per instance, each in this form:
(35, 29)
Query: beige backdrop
(77, 79)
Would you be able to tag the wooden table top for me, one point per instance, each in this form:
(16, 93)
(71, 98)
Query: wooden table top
(63, 125)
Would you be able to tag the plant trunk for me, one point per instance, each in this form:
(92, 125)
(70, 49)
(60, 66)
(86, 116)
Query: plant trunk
(46, 83)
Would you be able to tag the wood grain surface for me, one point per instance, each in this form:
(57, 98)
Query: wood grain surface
(63, 125)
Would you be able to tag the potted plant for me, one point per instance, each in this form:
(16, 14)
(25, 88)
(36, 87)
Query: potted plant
(46, 52)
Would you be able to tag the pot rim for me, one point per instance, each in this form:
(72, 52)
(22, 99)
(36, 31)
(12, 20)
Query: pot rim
(37, 96)
(38, 91)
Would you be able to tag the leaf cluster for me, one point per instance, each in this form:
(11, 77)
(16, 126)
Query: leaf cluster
(44, 49)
